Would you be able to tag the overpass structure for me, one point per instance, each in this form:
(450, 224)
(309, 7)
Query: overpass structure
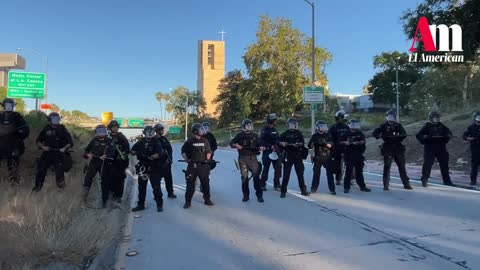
(125, 123)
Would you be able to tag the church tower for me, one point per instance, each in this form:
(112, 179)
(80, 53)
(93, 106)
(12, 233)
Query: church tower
(211, 69)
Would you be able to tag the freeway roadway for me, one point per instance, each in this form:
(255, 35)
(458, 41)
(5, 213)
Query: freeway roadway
(427, 228)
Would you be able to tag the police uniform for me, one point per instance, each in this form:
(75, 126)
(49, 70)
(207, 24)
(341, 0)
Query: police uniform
(247, 159)
(323, 156)
(392, 149)
(56, 138)
(269, 137)
(166, 171)
(354, 159)
(99, 147)
(335, 132)
(474, 132)
(13, 130)
(292, 158)
(196, 150)
(120, 163)
(149, 169)
(434, 138)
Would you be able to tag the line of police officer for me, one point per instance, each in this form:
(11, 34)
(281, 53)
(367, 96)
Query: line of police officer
(107, 154)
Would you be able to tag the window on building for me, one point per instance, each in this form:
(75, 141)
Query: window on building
(210, 53)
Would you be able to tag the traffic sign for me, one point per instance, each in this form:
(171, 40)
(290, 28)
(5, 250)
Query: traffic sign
(135, 122)
(120, 121)
(26, 85)
(313, 95)
(45, 106)
(174, 129)
(313, 107)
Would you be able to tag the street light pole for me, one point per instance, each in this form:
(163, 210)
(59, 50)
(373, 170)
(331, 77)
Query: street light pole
(312, 4)
(186, 118)
(398, 104)
(45, 58)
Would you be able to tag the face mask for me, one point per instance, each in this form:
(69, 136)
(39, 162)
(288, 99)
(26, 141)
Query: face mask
(8, 107)
(435, 120)
(354, 125)
(150, 134)
(477, 118)
(55, 120)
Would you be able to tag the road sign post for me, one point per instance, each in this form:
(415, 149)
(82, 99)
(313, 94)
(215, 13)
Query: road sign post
(26, 85)
(313, 95)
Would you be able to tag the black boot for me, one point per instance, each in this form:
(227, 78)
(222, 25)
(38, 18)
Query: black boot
(424, 182)
(283, 194)
(139, 207)
(187, 204)
(333, 192)
(172, 196)
(260, 199)
(407, 186)
(313, 190)
(159, 207)
(245, 198)
(305, 192)
(449, 183)
(208, 202)
(346, 191)
(365, 189)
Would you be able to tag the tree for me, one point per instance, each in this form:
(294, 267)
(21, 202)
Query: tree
(231, 101)
(55, 108)
(177, 102)
(20, 103)
(159, 97)
(383, 83)
(279, 65)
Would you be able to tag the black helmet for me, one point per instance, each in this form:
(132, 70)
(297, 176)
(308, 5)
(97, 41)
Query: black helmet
(148, 132)
(197, 129)
(100, 131)
(340, 115)
(476, 116)
(9, 101)
(113, 123)
(354, 124)
(159, 127)
(292, 123)
(321, 125)
(271, 117)
(247, 125)
(391, 115)
(54, 118)
(434, 117)
(206, 127)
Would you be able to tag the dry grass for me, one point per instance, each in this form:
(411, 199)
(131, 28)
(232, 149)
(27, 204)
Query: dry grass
(48, 227)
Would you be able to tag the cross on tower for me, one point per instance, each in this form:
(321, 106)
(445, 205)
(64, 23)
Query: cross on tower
(222, 33)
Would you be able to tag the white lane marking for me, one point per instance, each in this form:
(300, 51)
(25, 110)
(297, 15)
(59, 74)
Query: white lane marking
(394, 177)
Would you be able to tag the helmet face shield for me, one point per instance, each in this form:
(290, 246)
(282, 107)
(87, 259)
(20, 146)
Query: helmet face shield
(477, 118)
(99, 131)
(149, 133)
(354, 125)
(322, 127)
(248, 127)
(293, 125)
(391, 118)
(206, 128)
(436, 120)
(8, 107)
(202, 131)
(55, 120)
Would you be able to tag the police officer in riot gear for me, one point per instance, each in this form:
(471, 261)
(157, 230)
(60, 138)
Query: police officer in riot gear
(434, 137)
(197, 153)
(269, 137)
(248, 145)
(100, 152)
(167, 166)
(392, 148)
(335, 131)
(292, 142)
(54, 140)
(151, 156)
(13, 131)
(322, 145)
(472, 135)
(211, 140)
(354, 142)
(120, 161)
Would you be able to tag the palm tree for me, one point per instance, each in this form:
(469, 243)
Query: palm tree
(166, 97)
(160, 96)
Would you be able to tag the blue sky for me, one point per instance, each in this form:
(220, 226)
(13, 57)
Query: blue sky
(113, 55)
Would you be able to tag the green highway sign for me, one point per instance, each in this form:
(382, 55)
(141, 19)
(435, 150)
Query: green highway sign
(313, 107)
(26, 85)
(135, 122)
(174, 129)
(120, 121)
(313, 95)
